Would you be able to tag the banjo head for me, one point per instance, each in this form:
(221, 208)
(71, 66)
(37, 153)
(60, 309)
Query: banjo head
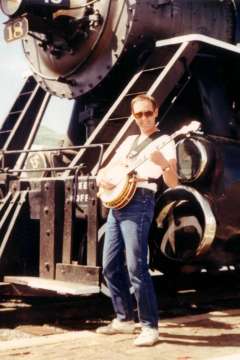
(112, 196)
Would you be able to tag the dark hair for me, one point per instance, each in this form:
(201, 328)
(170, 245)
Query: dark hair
(143, 97)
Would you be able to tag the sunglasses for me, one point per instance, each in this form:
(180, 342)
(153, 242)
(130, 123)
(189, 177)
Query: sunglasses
(140, 114)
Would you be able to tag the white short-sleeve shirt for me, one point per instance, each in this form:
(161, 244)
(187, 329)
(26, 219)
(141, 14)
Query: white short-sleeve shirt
(148, 169)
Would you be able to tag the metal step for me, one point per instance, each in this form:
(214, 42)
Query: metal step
(56, 286)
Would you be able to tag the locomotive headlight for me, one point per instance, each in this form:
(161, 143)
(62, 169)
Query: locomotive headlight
(193, 158)
(10, 7)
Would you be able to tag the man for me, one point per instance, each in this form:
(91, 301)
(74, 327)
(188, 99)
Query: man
(126, 238)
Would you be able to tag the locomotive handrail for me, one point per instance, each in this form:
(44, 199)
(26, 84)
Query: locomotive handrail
(200, 38)
(44, 169)
(59, 149)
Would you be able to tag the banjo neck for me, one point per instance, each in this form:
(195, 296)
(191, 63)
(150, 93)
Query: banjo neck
(124, 190)
(185, 130)
(141, 161)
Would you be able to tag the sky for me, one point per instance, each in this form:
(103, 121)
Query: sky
(13, 70)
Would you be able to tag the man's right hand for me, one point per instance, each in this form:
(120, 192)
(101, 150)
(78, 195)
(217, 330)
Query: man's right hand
(102, 182)
(106, 185)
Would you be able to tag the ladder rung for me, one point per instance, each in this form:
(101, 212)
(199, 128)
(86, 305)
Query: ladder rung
(154, 68)
(15, 112)
(5, 131)
(118, 118)
(26, 93)
(135, 93)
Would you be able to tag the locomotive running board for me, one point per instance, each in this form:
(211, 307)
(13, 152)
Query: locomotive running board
(22, 122)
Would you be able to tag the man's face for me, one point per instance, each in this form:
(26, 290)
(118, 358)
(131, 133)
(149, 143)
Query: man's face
(145, 116)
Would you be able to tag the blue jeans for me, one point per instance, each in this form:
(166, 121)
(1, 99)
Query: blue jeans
(125, 258)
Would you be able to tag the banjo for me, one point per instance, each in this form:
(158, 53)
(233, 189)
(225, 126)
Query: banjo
(124, 178)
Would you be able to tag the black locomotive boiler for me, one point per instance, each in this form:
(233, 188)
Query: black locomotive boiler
(102, 53)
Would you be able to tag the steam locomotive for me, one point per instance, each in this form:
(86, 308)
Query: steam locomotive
(102, 53)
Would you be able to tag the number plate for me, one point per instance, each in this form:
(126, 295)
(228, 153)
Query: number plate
(15, 29)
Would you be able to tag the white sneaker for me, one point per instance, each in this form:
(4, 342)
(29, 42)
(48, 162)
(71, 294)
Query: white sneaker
(148, 337)
(117, 327)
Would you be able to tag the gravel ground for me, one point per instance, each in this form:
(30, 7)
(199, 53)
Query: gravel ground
(200, 337)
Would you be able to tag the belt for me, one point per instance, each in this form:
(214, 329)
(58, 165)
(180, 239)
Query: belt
(145, 191)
